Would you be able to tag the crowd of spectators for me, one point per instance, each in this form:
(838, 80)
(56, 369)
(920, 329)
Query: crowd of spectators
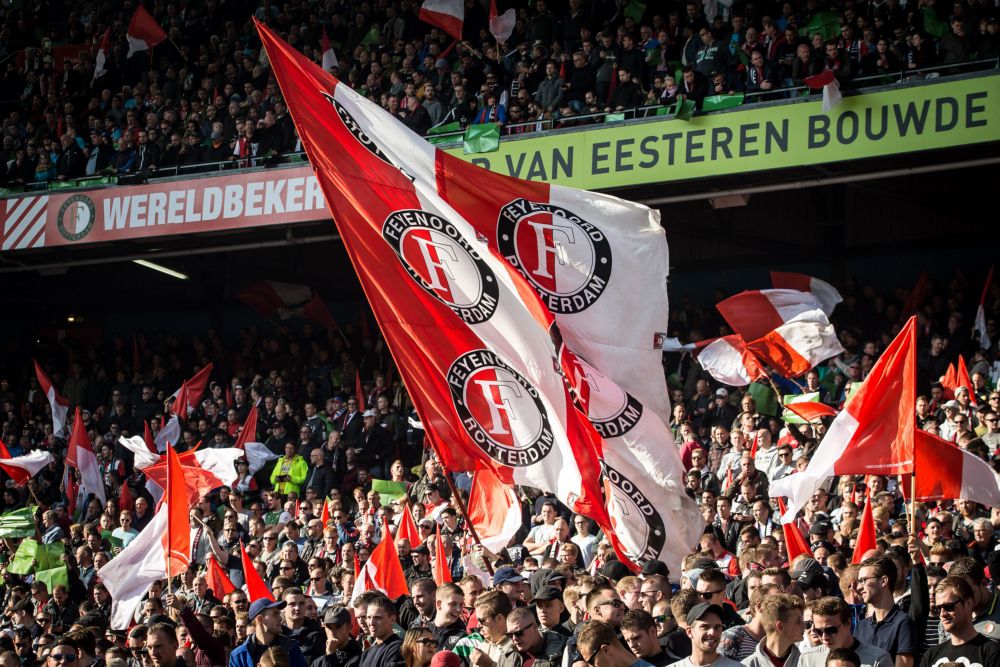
(205, 95)
(557, 594)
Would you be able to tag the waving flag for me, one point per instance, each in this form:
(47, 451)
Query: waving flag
(22, 468)
(796, 346)
(329, 56)
(755, 314)
(359, 392)
(449, 15)
(256, 587)
(190, 393)
(274, 300)
(826, 293)
(498, 301)
(204, 470)
(728, 360)
(101, 59)
(143, 32)
(248, 433)
(946, 472)
(129, 575)
(177, 536)
(502, 25)
(383, 571)
(980, 323)
(408, 527)
(217, 579)
(493, 509)
(169, 432)
(81, 456)
(59, 405)
(795, 542)
(442, 573)
(867, 538)
(873, 434)
(955, 377)
(805, 408)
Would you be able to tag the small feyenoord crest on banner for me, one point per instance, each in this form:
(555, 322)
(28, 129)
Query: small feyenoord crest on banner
(566, 259)
(499, 409)
(436, 256)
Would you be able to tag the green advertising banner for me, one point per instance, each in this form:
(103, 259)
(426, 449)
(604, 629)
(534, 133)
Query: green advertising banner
(757, 137)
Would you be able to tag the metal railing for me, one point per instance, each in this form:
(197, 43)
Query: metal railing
(782, 94)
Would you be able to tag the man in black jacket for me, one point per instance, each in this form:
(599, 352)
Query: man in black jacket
(320, 475)
(374, 445)
(342, 650)
(71, 162)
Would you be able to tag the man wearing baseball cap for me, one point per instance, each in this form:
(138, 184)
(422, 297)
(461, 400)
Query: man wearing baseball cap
(264, 617)
(510, 583)
(342, 650)
(704, 627)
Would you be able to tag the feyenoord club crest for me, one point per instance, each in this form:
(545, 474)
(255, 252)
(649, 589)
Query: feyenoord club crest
(500, 410)
(613, 412)
(360, 135)
(436, 256)
(566, 259)
(646, 535)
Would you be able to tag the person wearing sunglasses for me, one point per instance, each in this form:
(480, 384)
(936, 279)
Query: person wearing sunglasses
(605, 605)
(522, 629)
(64, 654)
(419, 646)
(831, 618)
(954, 599)
(711, 587)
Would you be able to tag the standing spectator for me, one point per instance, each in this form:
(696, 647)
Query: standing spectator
(956, 45)
(954, 601)
(72, 163)
(550, 91)
(888, 627)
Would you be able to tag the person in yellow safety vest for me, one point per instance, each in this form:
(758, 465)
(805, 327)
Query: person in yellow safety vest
(289, 471)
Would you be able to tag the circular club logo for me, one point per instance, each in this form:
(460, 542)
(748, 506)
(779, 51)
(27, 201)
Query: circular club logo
(76, 218)
(627, 505)
(435, 255)
(500, 410)
(355, 129)
(566, 258)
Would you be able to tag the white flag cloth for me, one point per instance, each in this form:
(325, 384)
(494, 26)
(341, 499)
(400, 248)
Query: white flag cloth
(220, 462)
(58, 404)
(129, 574)
(171, 432)
(258, 455)
(143, 457)
(32, 462)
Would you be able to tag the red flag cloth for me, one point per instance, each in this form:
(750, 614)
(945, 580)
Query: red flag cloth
(866, 534)
(143, 32)
(125, 499)
(756, 313)
(408, 527)
(946, 472)
(729, 361)
(822, 290)
(217, 579)
(198, 481)
(359, 391)
(449, 15)
(278, 301)
(383, 571)
(811, 411)
(191, 392)
(249, 431)
(949, 381)
(19, 475)
(58, 404)
(80, 455)
(962, 374)
(916, 296)
(795, 543)
(442, 573)
(873, 434)
(177, 538)
(795, 347)
(753, 447)
(147, 437)
(494, 510)
(256, 588)
(325, 516)
(817, 81)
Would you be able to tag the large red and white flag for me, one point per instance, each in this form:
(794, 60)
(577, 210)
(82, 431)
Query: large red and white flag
(943, 471)
(980, 323)
(383, 570)
(873, 434)
(22, 468)
(58, 404)
(822, 290)
(187, 397)
(449, 15)
(796, 346)
(177, 536)
(506, 272)
(274, 300)
(143, 32)
(204, 470)
(756, 313)
(493, 509)
(101, 59)
(129, 575)
(80, 455)
(728, 360)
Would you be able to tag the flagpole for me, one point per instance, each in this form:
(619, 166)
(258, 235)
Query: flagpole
(913, 500)
(465, 515)
(170, 585)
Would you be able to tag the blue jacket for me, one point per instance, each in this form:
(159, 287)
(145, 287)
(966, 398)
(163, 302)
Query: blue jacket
(248, 653)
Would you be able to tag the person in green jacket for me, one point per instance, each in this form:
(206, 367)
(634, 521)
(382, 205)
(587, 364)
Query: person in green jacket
(289, 471)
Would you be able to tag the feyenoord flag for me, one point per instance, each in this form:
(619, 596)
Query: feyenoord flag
(480, 298)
